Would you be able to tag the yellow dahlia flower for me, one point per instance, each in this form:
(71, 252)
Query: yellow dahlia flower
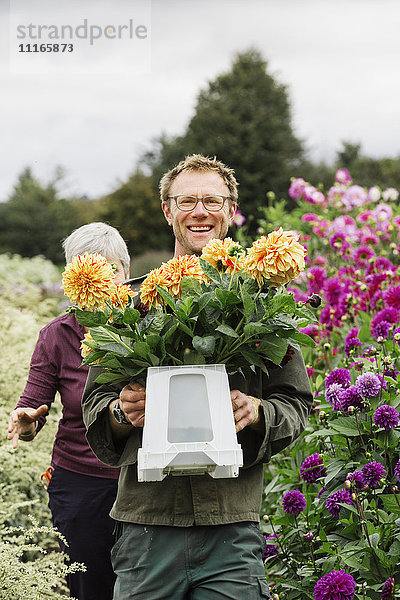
(277, 257)
(169, 276)
(85, 349)
(88, 281)
(148, 292)
(223, 253)
(121, 295)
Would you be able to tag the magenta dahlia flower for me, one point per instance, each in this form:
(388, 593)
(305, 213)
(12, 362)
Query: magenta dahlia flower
(351, 341)
(397, 470)
(332, 501)
(386, 417)
(343, 176)
(293, 502)
(373, 473)
(312, 468)
(391, 296)
(336, 585)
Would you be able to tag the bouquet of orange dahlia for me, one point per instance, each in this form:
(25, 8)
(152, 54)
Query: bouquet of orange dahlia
(228, 306)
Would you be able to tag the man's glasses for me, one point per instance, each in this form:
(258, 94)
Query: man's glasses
(210, 203)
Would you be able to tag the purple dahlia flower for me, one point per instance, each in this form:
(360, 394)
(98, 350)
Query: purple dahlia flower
(336, 585)
(351, 397)
(270, 549)
(368, 385)
(357, 480)
(312, 468)
(373, 473)
(341, 376)
(397, 470)
(386, 417)
(293, 502)
(381, 329)
(332, 505)
(387, 589)
(333, 394)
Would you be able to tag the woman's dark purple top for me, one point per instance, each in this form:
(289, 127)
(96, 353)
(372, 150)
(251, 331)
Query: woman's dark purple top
(55, 367)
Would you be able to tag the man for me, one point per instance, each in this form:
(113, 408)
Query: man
(194, 536)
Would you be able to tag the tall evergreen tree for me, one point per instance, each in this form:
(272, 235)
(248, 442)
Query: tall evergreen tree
(244, 118)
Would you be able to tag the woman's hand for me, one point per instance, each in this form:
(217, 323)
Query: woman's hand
(23, 423)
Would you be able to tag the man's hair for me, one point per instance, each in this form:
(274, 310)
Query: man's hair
(198, 162)
(97, 237)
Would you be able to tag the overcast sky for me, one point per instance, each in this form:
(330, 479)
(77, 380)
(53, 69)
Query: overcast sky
(95, 111)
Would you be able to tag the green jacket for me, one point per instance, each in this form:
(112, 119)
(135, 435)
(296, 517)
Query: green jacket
(201, 500)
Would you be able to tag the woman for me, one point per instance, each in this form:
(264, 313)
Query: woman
(81, 488)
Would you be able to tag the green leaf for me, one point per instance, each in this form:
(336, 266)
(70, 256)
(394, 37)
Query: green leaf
(256, 329)
(204, 345)
(303, 339)
(92, 318)
(108, 377)
(193, 358)
(227, 298)
(131, 315)
(390, 503)
(248, 303)
(166, 296)
(253, 359)
(141, 349)
(210, 271)
(273, 348)
(283, 303)
(306, 312)
(227, 330)
(191, 286)
(345, 426)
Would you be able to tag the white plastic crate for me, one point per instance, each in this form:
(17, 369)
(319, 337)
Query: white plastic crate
(189, 426)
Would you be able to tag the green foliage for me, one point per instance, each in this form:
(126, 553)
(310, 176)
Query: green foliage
(35, 219)
(135, 209)
(31, 565)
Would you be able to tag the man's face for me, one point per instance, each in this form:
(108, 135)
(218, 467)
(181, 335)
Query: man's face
(194, 229)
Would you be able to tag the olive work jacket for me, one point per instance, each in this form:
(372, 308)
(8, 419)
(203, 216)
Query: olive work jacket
(187, 500)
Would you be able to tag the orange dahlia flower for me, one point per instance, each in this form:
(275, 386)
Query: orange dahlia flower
(121, 295)
(85, 349)
(169, 276)
(277, 257)
(148, 292)
(88, 281)
(222, 253)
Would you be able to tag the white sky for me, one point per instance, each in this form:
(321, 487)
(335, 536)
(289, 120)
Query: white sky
(339, 59)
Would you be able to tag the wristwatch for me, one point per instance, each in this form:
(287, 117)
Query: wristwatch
(119, 415)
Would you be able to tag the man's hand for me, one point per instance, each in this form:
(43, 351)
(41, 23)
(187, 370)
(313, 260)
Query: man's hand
(132, 401)
(23, 423)
(245, 410)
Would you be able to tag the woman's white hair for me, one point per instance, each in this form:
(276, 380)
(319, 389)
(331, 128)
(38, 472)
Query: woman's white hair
(100, 238)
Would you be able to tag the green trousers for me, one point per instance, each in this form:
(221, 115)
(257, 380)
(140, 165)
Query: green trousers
(220, 562)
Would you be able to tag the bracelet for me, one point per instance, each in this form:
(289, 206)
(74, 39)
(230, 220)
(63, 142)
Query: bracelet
(256, 403)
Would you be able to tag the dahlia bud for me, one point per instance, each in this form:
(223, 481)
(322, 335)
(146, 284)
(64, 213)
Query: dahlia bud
(395, 489)
(314, 300)
(271, 196)
(354, 496)
(266, 518)
(397, 336)
(327, 346)
(322, 415)
(388, 360)
(308, 536)
(347, 484)
(351, 410)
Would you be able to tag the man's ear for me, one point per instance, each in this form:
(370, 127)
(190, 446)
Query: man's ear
(232, 210)
(167, 213)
